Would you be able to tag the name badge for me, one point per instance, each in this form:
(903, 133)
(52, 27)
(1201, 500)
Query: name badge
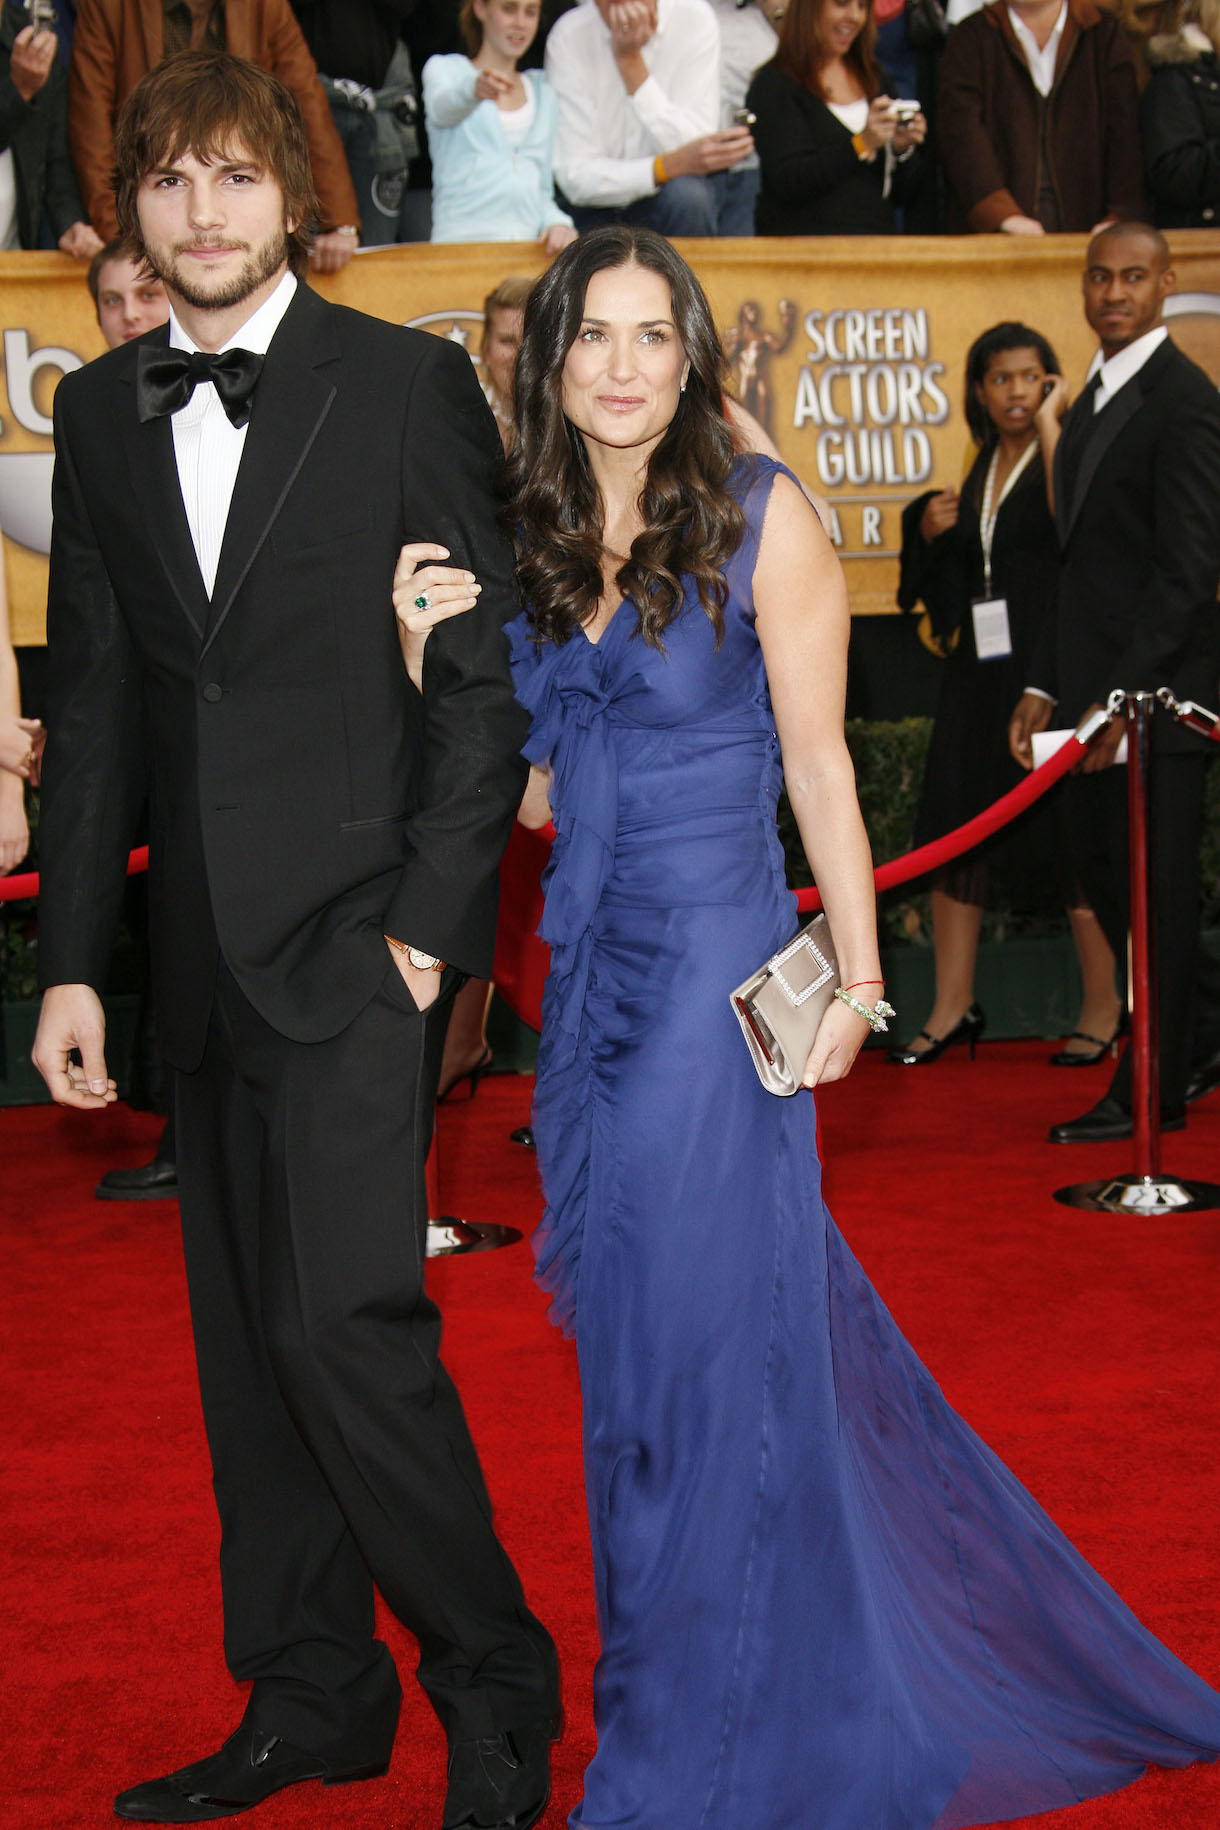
(992, 637)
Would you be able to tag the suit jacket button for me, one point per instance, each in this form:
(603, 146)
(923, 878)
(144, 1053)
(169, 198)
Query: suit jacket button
(213, 693)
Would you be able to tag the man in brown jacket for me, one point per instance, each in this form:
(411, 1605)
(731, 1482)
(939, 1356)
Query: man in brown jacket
(1038, 119)
(116, 41)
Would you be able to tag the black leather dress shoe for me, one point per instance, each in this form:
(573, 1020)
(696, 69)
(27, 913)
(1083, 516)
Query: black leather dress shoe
(249, 1767)
(155, 1181)
(1203, 1079)
(1105, 1121)
(502, 1782)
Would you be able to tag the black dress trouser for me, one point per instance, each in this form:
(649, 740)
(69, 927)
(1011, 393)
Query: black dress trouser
(1188, 981)
(341, 1456)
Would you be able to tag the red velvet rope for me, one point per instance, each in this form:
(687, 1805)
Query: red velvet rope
(898, 870)
(928, 857)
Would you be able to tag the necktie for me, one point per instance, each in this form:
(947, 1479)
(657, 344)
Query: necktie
(166, 379)
(1075, 435)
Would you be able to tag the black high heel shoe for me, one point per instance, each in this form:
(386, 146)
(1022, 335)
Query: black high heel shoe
(967, 1029)
(1066, 1057)
(472, 1074)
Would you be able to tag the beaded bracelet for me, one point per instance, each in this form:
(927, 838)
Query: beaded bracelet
(873, 1016)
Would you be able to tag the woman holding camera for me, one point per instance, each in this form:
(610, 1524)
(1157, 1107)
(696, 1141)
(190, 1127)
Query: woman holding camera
(837, 153)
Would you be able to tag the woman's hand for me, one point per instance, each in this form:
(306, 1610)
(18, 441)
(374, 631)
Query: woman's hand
(910, 133)
(21, 745)
(940, 514)
(489, 85)
(14, 831)
(841, 1035)
(556, 237)
(1054, 404)
(881, 126)
(447, 590)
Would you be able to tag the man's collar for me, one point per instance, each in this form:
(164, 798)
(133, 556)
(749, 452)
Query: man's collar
(257, 331)
(1125, 363)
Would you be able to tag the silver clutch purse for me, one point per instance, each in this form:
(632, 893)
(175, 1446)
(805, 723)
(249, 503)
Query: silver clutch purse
(780, 1006)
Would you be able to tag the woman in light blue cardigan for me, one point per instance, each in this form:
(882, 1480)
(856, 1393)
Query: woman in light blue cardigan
(490, 132)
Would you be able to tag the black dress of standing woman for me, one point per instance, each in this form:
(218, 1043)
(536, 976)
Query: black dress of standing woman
(835, 152)
(985, 564)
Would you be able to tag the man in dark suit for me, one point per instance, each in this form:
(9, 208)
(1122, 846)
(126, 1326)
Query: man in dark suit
(230, 500)
(1137, 510)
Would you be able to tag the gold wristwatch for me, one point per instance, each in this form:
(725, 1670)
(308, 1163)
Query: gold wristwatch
(422, 962)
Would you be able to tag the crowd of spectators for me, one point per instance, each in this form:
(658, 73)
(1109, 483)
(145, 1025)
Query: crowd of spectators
(481, 120)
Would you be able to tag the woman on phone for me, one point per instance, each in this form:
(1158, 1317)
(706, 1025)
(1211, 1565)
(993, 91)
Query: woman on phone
(993, 543)
(835, 150)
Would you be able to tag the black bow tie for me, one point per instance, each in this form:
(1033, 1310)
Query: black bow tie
(166, 379)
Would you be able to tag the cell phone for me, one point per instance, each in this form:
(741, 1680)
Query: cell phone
(744, 117)
(904, 110)
(41, 14)
(1048, 387)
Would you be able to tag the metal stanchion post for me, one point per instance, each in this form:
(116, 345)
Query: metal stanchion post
(447, 1235)
(1146, 1190)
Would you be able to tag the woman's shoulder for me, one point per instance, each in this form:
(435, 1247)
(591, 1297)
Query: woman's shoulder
(769, 79)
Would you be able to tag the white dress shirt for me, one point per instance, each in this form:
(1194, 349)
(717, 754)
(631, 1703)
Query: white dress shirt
(1123, 365)
(1040, 58)
(605, 139)
(207, 446)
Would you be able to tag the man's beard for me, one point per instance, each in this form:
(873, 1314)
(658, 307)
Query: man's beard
(262, 264)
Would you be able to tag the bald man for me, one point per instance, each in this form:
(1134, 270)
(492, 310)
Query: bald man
(1136, 492)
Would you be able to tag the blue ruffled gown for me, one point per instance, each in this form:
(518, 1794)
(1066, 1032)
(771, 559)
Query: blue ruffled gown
(823, 1603)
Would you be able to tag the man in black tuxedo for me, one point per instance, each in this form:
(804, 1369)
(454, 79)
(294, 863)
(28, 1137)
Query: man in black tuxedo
(230, 499)
(1137, 510)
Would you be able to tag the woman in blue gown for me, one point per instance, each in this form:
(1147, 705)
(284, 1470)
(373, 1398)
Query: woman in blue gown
(823, 1603)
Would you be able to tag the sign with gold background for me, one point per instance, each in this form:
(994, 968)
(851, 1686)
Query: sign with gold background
(850, 351)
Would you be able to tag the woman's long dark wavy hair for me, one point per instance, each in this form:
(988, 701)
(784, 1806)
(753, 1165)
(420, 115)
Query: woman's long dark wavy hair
(997, 342)
(692, 522)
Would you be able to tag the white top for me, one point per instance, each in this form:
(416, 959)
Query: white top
(854, 115)
(517, 122)
(1125, 363)
(207, 445)
(747, 41)
(8, 201)
(1040, 58)
(605, 139)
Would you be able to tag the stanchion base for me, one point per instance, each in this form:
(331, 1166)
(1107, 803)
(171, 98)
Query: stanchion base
(447, 1236)
(1135, 1194)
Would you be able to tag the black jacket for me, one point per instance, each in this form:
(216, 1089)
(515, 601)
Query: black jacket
(305, 798)
(1180, 123)
(813, 181)
(37, 134)
(1140, 539)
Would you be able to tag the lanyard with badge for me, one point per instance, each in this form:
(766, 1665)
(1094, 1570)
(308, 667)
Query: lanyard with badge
(992, 635)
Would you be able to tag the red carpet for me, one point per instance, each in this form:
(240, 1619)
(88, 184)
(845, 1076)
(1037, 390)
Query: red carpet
(1084, 1348)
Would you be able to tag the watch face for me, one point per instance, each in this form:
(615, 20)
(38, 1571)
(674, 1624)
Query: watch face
(423, 962)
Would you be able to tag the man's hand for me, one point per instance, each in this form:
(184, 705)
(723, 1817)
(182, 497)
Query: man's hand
(33, 55)
(332, 251)
(940, 514)
(1033, 713)
(712, 152)
(424, 986)
(72, 1018)
(80, 241)
(1021, 225)
(1102, 751)
(632, 24)
(1055, 405)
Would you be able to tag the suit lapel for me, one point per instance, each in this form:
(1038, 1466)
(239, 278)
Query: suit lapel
(292, 401)
(1106, 428)
(154, 477)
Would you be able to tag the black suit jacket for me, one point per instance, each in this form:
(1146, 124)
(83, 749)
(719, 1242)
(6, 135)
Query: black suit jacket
(1139, 530)
(304, 796)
